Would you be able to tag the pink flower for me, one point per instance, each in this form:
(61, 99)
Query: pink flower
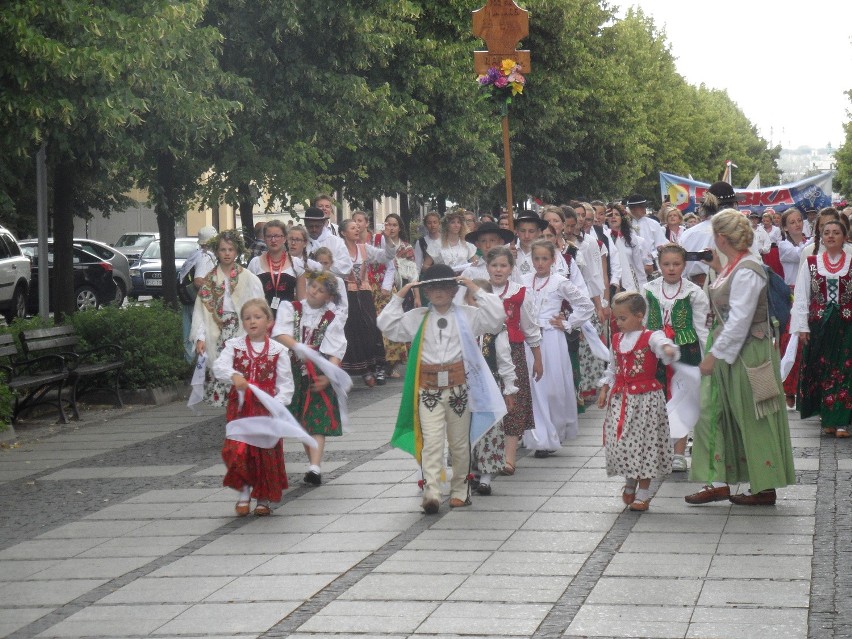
(501, 82)
(517, 77)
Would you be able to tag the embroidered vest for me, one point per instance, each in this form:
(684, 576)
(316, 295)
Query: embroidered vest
(376, 272)
(314, 339)
(259, 371)
(512, 305)
(357, 278)
(635, 371)
(682, 329)
(823, 289)
(721, 302)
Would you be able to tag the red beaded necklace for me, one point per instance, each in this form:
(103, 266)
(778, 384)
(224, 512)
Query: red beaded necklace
(254, 355)
(833, 267)
(676, 293)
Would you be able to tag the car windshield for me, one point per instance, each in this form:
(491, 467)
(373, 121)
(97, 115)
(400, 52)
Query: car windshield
(183, 249)
(133, 239)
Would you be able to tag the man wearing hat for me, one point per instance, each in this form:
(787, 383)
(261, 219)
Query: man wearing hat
(719, 196)
(809, 223)
(320, 235)
(645, 227)
(190, 278)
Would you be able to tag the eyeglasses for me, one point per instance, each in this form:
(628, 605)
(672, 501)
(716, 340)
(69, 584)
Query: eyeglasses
(295, 239)
(274, 237)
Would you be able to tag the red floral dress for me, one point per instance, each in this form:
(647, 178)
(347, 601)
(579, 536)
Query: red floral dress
(261, 468)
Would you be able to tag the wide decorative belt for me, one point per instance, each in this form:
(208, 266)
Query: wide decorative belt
(440, 376)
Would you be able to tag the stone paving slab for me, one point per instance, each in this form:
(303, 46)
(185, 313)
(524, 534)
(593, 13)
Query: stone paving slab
(154, 550)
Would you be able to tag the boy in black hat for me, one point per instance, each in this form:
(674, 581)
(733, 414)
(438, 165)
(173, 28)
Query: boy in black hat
(442, 371)
(719, 196)
(528, 226)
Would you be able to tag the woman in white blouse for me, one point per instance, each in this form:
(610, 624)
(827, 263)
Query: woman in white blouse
(452, 250)
(634, 252)
(739, 438)
(822, 315)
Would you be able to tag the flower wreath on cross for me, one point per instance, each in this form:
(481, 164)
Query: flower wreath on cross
(503, 83)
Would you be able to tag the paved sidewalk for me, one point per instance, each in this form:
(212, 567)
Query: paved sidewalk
(122, 529)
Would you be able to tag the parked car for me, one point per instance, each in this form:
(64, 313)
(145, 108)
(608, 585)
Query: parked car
(120, 264)
(15, 274)
(147, 273)
(132, 244)
(93, 277)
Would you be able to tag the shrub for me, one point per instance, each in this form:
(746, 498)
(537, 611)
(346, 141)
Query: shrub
(150, 336)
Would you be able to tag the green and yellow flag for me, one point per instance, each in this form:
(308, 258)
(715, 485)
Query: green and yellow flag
(407, 435)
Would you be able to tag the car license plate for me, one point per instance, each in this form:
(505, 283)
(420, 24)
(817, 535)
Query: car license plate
(154, 281)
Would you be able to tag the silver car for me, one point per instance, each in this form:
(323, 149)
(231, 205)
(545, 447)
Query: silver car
(120, 265)
(14, 277)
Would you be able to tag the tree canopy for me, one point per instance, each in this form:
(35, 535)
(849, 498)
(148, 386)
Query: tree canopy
(226, 99)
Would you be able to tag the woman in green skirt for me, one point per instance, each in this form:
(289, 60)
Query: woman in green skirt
(742, 434)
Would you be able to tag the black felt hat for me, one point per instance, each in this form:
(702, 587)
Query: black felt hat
(529, 216)
(724, 192)
(489, 227)
(313, 213)
(438, 274)
(636, 200)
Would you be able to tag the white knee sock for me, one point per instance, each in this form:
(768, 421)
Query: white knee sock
(485, 478)
(245, 494)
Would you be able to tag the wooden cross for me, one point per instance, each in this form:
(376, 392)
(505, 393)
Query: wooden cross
(502, 24)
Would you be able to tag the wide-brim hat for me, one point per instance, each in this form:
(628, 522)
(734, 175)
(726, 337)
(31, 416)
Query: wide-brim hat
(489, 227)
(313, 213)
(532, 217)
(724, 192)
(438, 274)
(206, 233)
(636, 200)
(755, 214)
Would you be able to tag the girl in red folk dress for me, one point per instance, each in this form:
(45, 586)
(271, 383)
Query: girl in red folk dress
(314, 323)
(636, 428)
(255, 472)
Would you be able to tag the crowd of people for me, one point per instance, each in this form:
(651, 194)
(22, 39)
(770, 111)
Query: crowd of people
(669, 322)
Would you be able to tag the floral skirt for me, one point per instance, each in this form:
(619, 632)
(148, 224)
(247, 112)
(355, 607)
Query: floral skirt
(520, 418)
(318, 413)
(261, 468)
(216, 392)
(643, 449)
(395, 352)
(591, 368)
(825, 379)
(489, 454)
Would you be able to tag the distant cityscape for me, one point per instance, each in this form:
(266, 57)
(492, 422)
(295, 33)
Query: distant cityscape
(804, 161)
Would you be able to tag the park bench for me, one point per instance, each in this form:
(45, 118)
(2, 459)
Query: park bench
(86, 369)
(31, 380)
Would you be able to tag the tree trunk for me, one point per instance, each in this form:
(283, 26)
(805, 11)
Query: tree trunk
(247, 202)
(405, 214)
(442, 204)
(62, 273)
(167, 209)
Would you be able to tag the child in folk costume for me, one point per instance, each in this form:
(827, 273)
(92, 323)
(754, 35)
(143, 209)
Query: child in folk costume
(521, 328)
(323, 261)
(681, 310)
(449, 391)
(554, 400)
(636, 428)
(313, 322)
(255, 472)
(489, 454)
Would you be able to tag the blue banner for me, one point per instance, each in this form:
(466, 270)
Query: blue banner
(813, 192)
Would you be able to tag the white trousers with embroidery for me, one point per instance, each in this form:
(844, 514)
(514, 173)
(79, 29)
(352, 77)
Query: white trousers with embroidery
(444, 416)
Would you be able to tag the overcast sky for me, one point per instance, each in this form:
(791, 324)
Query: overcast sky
(793, 60)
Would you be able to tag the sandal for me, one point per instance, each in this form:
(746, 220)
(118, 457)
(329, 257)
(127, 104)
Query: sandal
(242, 508)
(262, 510)
(628, 493)
(639, 505)
(829, 430)
(369, 380)
(841, 433)
(508, 469)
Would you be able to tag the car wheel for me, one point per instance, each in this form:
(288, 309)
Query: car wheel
(18, 307)
(120, 293)
(87, 298)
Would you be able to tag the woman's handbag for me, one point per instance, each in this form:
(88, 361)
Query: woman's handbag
(763, 382)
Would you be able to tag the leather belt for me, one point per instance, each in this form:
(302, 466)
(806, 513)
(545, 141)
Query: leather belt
(429, 375)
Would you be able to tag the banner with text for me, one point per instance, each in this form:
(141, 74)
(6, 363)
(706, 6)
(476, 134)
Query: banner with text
(812, 192)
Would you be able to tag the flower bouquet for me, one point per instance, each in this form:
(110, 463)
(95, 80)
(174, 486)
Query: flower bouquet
(503, 83)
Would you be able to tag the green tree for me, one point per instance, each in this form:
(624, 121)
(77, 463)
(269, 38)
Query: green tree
(843, 157)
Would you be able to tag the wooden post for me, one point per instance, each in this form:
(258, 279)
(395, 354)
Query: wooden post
(507, 162)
